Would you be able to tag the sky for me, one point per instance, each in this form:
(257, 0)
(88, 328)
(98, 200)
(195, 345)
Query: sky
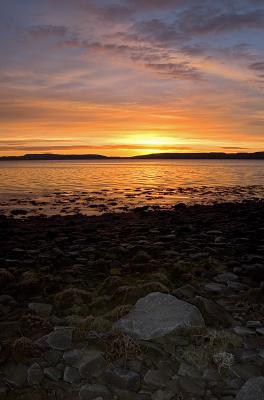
(127, 77)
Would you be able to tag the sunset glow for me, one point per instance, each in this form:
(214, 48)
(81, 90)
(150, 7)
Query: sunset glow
(131, 77)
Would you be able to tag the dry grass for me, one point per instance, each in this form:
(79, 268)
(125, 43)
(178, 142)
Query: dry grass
(118, 312)
(207, 345)
(121, 347)
(6, 277)
(71, 296)
(22, 348)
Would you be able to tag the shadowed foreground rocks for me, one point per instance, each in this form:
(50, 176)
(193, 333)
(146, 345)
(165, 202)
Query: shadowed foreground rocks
(145, 305)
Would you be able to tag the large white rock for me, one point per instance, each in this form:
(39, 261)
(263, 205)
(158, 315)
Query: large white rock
(253, 389)
(159, 314)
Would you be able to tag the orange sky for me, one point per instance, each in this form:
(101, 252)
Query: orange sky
(131, 77)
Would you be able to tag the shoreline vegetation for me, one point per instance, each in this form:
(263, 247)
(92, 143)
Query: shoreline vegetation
(156, 156)
(74, 290)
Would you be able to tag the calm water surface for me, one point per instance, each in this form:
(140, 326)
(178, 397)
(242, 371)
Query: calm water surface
(93, 187)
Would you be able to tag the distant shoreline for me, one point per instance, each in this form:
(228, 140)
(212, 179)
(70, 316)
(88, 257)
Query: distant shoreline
(158, 156)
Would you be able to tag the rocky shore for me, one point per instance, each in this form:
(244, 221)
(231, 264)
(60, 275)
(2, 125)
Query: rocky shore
(145, 305)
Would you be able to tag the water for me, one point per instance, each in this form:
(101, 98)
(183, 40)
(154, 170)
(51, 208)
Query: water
(93, 187)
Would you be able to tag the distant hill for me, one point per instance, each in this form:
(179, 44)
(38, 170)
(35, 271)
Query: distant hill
(157, 156)
(204, 156)
(40, 157)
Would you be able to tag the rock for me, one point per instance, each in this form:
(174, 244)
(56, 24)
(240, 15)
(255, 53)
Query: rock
(253, 324)
(226, 277)
(239, 330)
(61, 339)
(188, 370)
(92, 392)
(53, 373)
(215, 288)
(159, 314)
(260, 331)
(71, 375)
(15, 374)
(253, 389)
(35, 375)
(52, 357)
(156, 379)
(213, 313)
(190, 385)
(74, 357)
(92, 364)
(123, 379)
(185, 292)
(42, 309)
(127, 395)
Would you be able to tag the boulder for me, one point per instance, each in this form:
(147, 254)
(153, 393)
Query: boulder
(157, 315)
(253, 389)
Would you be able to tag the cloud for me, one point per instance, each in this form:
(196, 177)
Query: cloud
(181, 70)
(258, 66)
(48, 30)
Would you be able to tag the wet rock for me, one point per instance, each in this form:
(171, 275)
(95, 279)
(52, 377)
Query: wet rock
(159, 314)
(92, 392)
(35, 375)
(253, 389)
(123, 379)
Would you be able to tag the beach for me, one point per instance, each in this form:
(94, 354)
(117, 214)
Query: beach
(66, 280)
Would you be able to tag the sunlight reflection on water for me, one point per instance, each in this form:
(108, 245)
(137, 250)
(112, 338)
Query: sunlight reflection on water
(128, 183)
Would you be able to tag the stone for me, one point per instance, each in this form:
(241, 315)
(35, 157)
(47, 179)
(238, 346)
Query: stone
(35, 375)
(253, 389)
(239, 330)
(53, 373)
(190, 385)
(128, 395)
(254, 324)
(92, 392)
(213, 313)
(159, 314)
(42, 309)
(15, 374)
(92, 364)
(226, 277)
(155, 379)
(52, 357)
(185, 292)
(260, 331)
(123, 379)
(74, 357)
(215, 288)
(186, 369)
(71, 375)
(61, 339)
